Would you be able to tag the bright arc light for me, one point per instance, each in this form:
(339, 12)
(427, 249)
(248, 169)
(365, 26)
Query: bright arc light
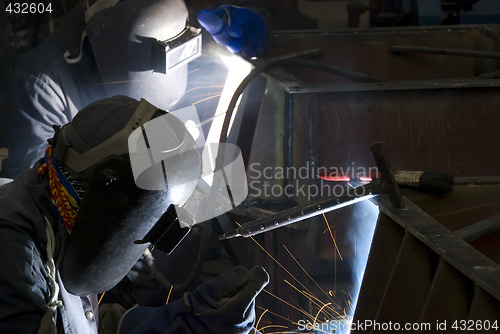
(238, 70)
(192, 128)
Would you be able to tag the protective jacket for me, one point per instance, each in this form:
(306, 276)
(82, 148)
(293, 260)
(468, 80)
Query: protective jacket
(34, 298)
(29, 285)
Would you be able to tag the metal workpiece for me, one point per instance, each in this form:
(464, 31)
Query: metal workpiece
(419, 266)
(479, 229)
(439, 51)
(432, 113)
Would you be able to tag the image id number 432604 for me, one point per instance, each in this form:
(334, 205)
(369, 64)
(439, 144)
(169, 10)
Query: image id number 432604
(28, 7)
(475, 325)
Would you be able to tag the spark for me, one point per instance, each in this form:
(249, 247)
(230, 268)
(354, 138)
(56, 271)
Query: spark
(314, 300)
(279, 316)
(335, 243)
(122, 81)
(199, 98)
(305, 294)
(287, 303)
(335, 264)
(206, 99)
(258, 321)
(305, 271)
(277, 262)
(310, 296)
(203, 87)
(273, 326)
(100, 299)
(335, 253)
(168, 297)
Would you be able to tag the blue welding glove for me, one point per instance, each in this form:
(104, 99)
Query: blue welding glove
(239, 29)
(225, 304)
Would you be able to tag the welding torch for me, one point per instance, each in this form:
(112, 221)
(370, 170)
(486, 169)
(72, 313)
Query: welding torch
(385, 185)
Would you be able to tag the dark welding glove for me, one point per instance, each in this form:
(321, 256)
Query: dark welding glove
(225, 304)
(237, 28)
(143, 285)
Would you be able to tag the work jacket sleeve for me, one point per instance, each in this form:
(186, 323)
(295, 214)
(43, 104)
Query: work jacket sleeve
(23, 286)
(37, 104)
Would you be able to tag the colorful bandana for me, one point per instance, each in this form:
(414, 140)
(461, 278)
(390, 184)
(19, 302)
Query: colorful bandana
(64, 196)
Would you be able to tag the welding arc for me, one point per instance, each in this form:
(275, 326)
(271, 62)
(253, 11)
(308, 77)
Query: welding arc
(431, 181)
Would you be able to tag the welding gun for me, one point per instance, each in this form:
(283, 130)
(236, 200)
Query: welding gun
(385, 185)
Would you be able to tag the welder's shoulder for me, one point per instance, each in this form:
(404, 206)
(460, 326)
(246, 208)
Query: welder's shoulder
(23, 285)
(20, 252)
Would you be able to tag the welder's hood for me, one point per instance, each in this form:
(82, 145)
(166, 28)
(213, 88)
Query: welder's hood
(135, 168)
(131, 41)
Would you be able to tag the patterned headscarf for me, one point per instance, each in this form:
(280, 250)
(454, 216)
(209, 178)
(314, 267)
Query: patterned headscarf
(65, 191)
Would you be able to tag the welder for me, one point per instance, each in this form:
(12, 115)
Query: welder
(137, 48)
(71, 226)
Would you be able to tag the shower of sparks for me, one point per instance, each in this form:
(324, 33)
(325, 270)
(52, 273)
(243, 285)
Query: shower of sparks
(303, 293)
(325, 308)
(291, 305)
(305, 271)
(317, 302)
(320, 310)
(279, 316)
(324, 311)
(277, 262)
(337, 251)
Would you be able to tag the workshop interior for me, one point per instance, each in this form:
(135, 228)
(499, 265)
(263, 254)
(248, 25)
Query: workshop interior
(369, 135)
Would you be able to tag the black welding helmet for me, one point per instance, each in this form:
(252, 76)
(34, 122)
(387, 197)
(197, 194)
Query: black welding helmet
(133, 174)
(142, 48)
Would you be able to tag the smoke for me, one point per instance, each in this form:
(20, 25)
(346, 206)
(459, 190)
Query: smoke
(365, 216)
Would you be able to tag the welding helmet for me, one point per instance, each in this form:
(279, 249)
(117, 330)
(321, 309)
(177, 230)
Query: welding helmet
(122, 203)
(142, 47)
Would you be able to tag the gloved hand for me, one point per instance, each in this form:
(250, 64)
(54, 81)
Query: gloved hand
(143, 285)
(237, 28)
(225, 304)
